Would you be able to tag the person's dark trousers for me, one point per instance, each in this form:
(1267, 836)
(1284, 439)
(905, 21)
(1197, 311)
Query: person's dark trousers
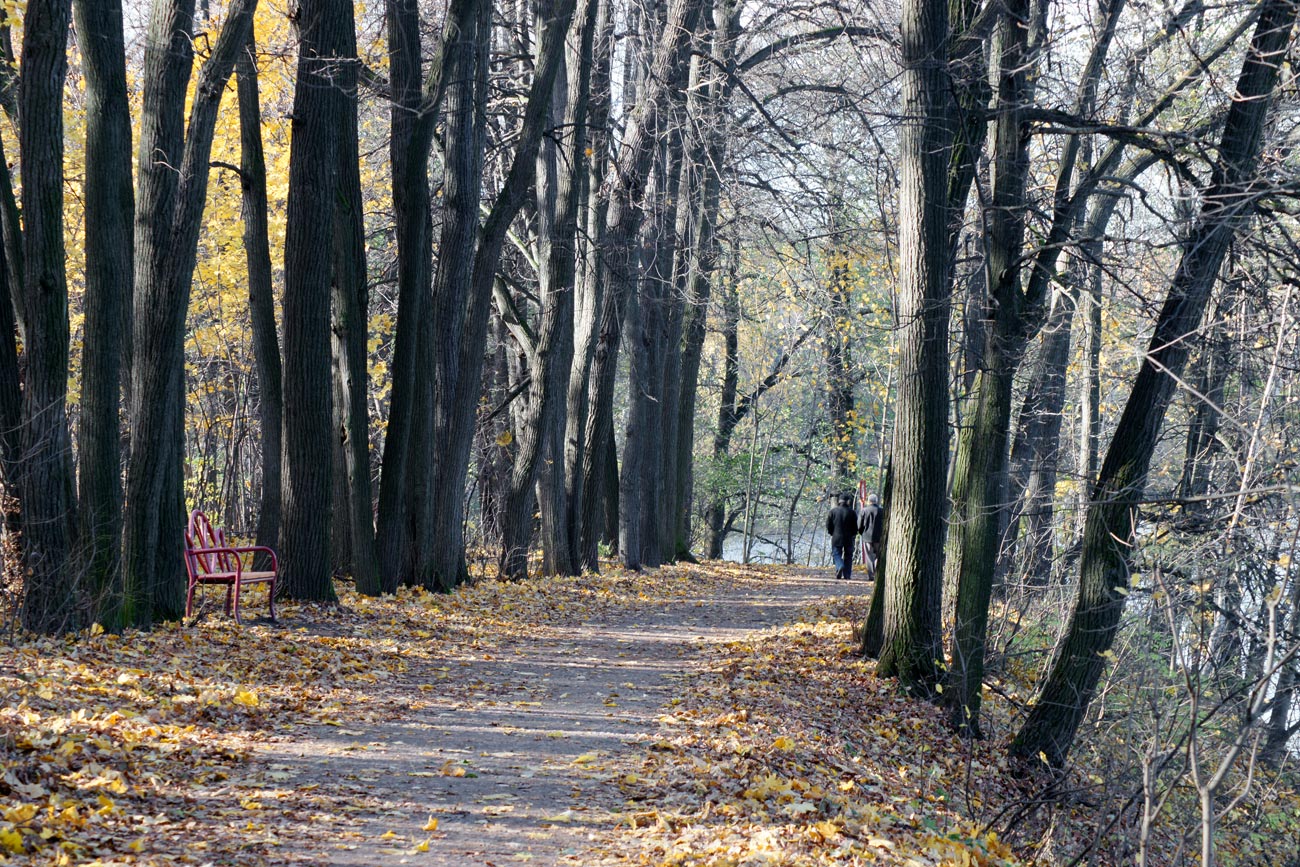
(843, 557)
(872, 558)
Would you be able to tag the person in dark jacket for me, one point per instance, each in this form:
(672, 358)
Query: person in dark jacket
(842, 524)
(871, 524)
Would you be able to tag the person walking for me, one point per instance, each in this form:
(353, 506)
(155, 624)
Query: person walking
(842, 524)
(871, 524)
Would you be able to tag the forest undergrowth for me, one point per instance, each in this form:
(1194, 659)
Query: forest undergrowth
(782, 748)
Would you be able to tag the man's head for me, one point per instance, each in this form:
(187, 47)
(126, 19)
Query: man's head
(873, 500)
(846, 499)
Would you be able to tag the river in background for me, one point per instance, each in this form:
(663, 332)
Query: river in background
(812, 547)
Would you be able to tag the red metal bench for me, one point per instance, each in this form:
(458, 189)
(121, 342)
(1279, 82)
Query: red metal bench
(209, 560)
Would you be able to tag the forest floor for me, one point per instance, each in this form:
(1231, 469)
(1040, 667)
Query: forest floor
(708, 714)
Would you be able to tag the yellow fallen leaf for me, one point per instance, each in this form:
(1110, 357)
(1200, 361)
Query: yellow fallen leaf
(21, 813)
(11, 840)
(451, 769)
(245, 697)
(585, 759)
(431, 825)
(423, 847)
(783, 743)
(388, 835)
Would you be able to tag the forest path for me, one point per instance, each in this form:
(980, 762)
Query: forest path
(512, 750)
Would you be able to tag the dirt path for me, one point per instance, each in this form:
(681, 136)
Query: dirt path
(508, 749)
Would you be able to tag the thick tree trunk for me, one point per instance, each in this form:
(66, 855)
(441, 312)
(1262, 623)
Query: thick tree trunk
(110, 211)
(319, 122)
(261, 298)
(45, 482)
(350, 330)
(1112, 515)
(169, 212)
(641, 488)
(914, 571)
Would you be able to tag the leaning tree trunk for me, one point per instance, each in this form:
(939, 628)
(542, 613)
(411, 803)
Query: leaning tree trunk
(45, 482)
(261, 298)
(914, 570)
(1111, 521)
(110, 210)
(168, 219)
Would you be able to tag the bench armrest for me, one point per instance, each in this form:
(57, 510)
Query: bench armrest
(253, 549)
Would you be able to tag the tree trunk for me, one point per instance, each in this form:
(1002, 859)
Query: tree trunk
(45, 482)
(110, 211)
(667, 75)
(979, 484)
(589, 294)
(169, 211)
(838, 349)
(712, 109)
(551, 358)
(1111, 521)
(319, 122)
(462, 308)
(261, 299)
(350, 329)
(409, 158)
(914, 571)
(728, 417)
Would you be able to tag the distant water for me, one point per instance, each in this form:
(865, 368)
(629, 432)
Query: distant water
(810, 548)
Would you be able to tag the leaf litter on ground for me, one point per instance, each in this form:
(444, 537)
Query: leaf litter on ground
(782, 748)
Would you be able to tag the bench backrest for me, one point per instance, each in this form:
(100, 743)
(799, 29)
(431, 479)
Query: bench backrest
(201, 534)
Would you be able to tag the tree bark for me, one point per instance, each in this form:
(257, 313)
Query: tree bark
(45, 481)
(169, 210)
(261, 298)
(551, 357)
(319, 122)
(623, 225)
(589, 289)
(914, 570)
(110, 211)
(703, 259)
(1111, 521)
(412, 109)
(350, 329)
(459, 367)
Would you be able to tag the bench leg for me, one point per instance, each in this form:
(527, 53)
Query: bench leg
(237, 589)
(189, 600)
(270, 595)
